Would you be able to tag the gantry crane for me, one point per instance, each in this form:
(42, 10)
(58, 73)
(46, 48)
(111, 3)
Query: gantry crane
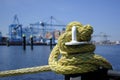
(15, 30)
(45, 27)
(103, 36)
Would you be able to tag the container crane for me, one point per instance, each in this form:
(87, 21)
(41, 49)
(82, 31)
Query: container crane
(103, 36)
(15, 30)
(45, 27)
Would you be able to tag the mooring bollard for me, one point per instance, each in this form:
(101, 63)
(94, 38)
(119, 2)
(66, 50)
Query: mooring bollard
(67, 77)
(100, 74)
(31, 39)
(24, 42)
(72, 77)
(50, 43)
(75, 58)
(7, 42)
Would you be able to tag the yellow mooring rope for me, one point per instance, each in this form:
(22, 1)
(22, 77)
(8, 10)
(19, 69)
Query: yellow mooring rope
(25, 71)
(72, 59)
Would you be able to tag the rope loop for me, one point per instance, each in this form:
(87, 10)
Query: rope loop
(74, 59)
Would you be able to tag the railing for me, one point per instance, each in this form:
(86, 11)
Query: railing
(112, 75)
(115, 75)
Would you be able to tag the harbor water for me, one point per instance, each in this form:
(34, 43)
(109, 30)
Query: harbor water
(14, 57)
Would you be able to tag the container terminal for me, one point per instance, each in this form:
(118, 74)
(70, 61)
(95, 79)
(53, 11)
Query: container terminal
(42, 32)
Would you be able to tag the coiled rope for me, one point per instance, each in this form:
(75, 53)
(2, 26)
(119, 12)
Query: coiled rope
(74, 59)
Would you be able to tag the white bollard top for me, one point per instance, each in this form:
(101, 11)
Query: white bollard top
(74, 38)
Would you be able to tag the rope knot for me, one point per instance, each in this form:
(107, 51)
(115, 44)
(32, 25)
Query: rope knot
(74, 59)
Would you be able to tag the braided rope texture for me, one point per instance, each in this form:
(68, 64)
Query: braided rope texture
(74, 59)
(22, 71)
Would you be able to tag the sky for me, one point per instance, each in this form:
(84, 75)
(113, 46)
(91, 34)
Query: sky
(102, 15)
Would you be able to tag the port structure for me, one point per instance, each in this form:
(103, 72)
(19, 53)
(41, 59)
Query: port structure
(41, 31)
(15, 30)
(103, 38)
(47, 29)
